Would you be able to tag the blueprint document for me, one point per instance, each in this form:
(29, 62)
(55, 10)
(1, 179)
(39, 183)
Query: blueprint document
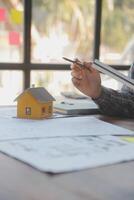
(63, 144)
(13, 128)
(58, 155)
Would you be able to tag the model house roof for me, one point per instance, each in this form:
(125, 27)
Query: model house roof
(39, 93)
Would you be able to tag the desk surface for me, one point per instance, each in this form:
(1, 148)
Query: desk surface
(18, 181)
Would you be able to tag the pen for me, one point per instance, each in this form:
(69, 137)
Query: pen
(74, 61)
(77, 62)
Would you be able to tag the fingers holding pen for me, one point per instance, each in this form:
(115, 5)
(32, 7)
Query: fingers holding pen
(85, 65)
(76, 82)
(77, 74)
(81, 72)
(76, 65)
(76, 70)
(88, 66)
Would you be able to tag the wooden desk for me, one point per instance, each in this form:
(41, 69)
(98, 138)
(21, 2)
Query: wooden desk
(18, 181)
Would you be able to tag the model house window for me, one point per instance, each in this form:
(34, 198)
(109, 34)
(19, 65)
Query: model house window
(43, 110)
(49, 109)
(28, 111)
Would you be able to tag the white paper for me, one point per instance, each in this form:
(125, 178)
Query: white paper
(13, 128)
(66, 154)
(63, 144)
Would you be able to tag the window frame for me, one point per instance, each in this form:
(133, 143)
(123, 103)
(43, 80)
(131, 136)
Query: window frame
(27, 66)
(43, 110)
(28, 111)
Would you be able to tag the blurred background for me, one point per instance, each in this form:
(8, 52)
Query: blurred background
(35, 34)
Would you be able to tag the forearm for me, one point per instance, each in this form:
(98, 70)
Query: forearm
(116, 103)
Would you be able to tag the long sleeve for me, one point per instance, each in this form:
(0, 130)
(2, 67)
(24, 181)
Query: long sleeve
(117, 103)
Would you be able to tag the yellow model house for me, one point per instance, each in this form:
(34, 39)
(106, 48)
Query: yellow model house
(34, 103)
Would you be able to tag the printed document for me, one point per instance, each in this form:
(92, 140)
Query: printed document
(12, 128)
(64, 144)
(58, 155)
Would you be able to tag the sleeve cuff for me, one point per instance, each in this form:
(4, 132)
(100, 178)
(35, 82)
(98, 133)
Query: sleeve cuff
(103, 96)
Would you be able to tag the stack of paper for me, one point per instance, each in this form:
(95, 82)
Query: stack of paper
(64, 144)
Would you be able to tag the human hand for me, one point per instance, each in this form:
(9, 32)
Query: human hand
(86, 79)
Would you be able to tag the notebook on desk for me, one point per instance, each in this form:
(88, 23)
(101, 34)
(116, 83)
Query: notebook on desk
(76, 108)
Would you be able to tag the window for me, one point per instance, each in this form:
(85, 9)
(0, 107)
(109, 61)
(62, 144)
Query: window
(117, 46)
(49, 109)
(34, 35)
(11, 30)
(62, 28)
(54, 81)
(11, 85)
(28, 111)
(43, 110)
